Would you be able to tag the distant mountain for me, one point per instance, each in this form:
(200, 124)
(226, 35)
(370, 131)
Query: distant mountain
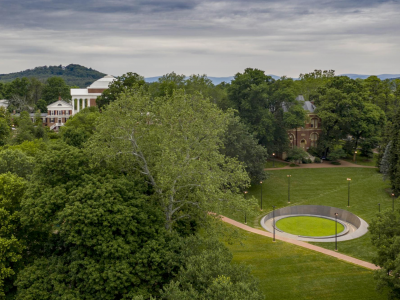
(74, 75)
(381, 76)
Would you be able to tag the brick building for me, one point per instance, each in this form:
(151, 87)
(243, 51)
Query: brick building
(307, 135)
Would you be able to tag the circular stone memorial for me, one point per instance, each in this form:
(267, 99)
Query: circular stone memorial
(314, 223)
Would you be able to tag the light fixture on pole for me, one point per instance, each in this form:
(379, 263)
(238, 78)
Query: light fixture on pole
(273, 160)
(348, 192)
(289, 187)
(393, 201)
(261, 195)
(273, 221)
(336, 214)
(355, 156)
(245, 215)
(379, 205)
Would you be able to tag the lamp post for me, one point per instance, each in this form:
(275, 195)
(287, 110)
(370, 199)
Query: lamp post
(289, 187)
(273, 160)
(273, 221)
(379, 205)
(245, 215)
(261, 195)
(393, 201)
(336, 214)
(348, 192)
(355, 156)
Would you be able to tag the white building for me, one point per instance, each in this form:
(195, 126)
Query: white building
(4, 103)
(58, 113)
(82, 98)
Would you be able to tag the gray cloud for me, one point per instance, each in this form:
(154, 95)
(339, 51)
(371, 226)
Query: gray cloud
(202, 36)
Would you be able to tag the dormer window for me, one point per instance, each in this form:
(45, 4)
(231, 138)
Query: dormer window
(314, 123)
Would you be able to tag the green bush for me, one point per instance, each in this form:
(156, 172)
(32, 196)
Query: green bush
(336, 154)
(296, 154)
(317, 160)
(309, 161)
(304, 160)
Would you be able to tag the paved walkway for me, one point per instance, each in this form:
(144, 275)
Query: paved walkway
(303, 244)
(324, 164)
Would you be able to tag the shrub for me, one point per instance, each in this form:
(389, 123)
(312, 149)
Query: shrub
(304, 160)
(336, 154)
(309, 161)
(296, 154)
(317, 160)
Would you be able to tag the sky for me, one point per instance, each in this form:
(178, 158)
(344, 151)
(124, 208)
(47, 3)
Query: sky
(217, 38)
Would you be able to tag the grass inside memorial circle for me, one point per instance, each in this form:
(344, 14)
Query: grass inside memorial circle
(309, 226)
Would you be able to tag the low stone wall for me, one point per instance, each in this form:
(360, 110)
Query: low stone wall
(319, 210)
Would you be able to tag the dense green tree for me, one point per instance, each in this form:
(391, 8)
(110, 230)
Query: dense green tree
(174, 142)
(385, 236)
(5, 131)
(12, 242)
(17, 162)
(394, 155)
(54, 88)
(267, 106)
(80, 127)
(106, 242)
(309, 83)
(207, 273)
(119, 85)
(239, 143)
(168, 83)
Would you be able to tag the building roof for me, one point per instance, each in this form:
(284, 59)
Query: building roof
(102, 83)
(307, 105)
(79, 92)
(59, 104)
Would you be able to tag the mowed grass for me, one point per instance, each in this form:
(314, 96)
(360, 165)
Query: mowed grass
(275, 164)
(309, 226)
(286, 271)
(325, 186)
(363, 161)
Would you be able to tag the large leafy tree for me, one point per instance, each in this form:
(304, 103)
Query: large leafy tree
(309, 83)
(344, 109)
(80, 127)
(385, 235)
(240, 143)
(174, 142)
(267, 106)
(118, 86)
(207, 272)
(12, 236)
(99, 235)
(54, 88)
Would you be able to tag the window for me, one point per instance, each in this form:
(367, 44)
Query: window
(313, 138)
(314, 123)
(291, 140)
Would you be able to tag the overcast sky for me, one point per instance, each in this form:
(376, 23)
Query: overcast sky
(217, 38)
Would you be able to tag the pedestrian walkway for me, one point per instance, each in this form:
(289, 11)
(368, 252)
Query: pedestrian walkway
(343, 164)
(303, 244)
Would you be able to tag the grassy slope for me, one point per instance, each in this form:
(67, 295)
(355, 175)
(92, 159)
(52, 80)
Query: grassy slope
(289, 272)
(327, 186)
(275, 164)
(309, 226)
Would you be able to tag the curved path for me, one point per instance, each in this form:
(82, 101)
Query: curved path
(303, 244)
(343, 164)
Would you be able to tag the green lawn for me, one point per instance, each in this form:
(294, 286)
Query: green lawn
(326, 186)
(363, 161)
(309, 226)
(286, 271)
(276, 164)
